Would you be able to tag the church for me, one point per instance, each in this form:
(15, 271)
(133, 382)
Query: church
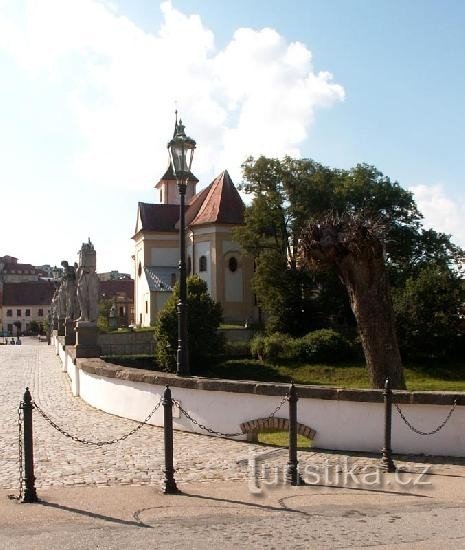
(211, 215)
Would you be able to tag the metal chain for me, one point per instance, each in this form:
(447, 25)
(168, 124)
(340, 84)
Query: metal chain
(97, 443)
(436, 430)
(283, 400)
(222, 434)
(20, 451)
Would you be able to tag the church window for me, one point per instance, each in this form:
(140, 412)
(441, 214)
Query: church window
(139, 269)
(202, 263)
(146, 306)
(161, 195)
(232, 264)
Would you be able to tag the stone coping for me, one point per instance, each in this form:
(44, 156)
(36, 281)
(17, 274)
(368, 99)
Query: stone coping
(99, 367)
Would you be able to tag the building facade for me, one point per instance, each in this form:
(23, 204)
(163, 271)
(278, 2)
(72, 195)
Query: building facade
(24, 302)
(212, 254)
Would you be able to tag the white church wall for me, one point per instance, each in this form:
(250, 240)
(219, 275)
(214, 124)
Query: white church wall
(233, 285)
(164, 256)
(203, 249)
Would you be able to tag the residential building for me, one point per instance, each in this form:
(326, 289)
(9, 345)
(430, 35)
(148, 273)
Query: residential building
(25, 302)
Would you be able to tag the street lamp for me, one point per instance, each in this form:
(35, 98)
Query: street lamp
(181, 149)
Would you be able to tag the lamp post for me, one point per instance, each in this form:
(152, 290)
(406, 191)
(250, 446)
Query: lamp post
(181, 149)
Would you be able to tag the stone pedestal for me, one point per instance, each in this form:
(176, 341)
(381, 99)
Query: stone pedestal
(87, 339)
(70, 333)
(61, 326)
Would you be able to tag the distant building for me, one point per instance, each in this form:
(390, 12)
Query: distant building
(121, 294)
(24, 302)
(113, 276)
(13, 272)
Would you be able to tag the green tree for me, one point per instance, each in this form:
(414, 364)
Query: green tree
(429, 311)
(205, 343)
(356, 224)
(104, 307)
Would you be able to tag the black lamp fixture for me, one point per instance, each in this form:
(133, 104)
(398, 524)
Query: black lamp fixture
(181, 150)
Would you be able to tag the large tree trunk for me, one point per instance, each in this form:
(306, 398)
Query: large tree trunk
(366, 282)
(357, 253)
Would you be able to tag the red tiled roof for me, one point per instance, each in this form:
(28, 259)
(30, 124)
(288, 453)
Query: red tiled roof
(219, 203)
(158, 217)
(31, 293)
(110, 289)
(222, 203)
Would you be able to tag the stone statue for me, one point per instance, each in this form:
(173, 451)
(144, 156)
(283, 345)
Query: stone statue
(60, 302)
(87, 284)
(69, 291)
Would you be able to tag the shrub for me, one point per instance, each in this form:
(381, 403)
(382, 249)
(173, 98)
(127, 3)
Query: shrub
(205, 343)
(237, 349)
(272, 347)
(323, 345)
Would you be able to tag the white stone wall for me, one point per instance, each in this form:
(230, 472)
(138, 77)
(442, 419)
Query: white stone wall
(339, 424)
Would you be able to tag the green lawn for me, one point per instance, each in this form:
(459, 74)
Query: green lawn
(278, 438)
(440, 376)
(429, 376)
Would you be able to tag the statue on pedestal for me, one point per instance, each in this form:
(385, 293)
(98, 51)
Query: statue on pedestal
(87, 284)
(69, 291)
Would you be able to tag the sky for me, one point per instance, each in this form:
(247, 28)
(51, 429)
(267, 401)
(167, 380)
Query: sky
(88, 90)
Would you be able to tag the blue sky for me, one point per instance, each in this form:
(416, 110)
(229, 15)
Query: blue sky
(88, 88)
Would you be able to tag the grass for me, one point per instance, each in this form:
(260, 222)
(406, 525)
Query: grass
(277, 438)
(428, 375)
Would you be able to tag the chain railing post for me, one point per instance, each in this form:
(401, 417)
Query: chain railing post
(169, 483)
(387, 462)
(30, 494)
(292, 465)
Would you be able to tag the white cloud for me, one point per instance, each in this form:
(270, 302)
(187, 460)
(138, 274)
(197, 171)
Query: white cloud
(441, 212)
(119, 86)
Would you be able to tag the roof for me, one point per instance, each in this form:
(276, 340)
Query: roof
(114, 287)
(158, 217)
(169, 175)
(159, 278)
(31, 293)
(23, 269)
(219, 203)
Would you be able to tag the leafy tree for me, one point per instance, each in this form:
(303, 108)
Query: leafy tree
(429, 311)
(205, 343)
(35, 327)
(104, 307)
(357, 226)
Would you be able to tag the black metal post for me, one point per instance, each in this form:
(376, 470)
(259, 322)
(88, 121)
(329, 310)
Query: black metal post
(169, 483)
(182, 367)
(292, 465)
(30, 494)
(388, 463)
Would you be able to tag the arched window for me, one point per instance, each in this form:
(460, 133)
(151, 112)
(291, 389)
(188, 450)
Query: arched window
(203, 263)
(232, 264)
(139, 269)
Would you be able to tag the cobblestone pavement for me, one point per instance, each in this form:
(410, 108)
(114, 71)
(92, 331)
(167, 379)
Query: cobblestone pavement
(60, 461)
